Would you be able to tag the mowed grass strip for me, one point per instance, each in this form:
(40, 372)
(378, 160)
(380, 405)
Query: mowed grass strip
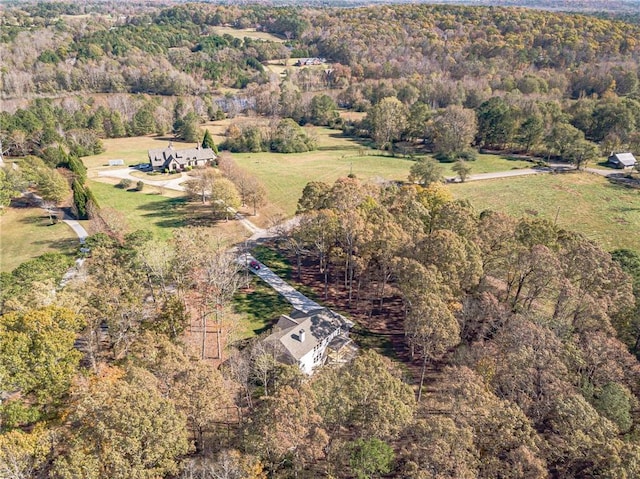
(589, 204)
(26, 233)
(490, 164)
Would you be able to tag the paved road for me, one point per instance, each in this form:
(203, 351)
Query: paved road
(298, 300)
(125, 173)
(77, 228)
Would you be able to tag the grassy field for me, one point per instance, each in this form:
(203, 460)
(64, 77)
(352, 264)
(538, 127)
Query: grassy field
(285, 175)
(490, 164)
(26, 233)
(607, 213)
(247, 32)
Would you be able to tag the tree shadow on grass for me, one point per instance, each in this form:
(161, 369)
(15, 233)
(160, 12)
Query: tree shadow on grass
(357, 142)
(173, 211)
(261, 305)
(38, 221)
(67, 244)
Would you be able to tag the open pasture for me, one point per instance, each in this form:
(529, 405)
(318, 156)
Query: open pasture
(590, 204)
(285, 175)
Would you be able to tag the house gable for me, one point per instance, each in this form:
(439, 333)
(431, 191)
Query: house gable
(172, 159)
(304, 337)
(622, 160)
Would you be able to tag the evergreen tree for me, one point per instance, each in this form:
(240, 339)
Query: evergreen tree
(207, 142)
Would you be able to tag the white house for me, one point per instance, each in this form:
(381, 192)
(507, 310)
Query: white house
(306, 339)
(622, 160)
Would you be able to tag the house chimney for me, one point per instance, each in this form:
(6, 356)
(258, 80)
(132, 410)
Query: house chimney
(301, 335)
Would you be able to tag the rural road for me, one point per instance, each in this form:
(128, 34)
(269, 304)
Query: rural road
(505, 174)
(552, 167)
(298, 300)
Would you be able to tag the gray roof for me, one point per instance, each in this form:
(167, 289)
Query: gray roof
(162, 156)
(626, 159)
(317, 325)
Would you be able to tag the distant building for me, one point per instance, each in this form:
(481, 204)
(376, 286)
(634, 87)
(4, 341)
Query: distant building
(622, 160)
(308, 339)
(178, 160)
(305, 62)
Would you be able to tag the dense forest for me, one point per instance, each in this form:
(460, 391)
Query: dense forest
(490, 346)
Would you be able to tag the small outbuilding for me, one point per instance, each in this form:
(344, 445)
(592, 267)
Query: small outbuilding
(622, 160)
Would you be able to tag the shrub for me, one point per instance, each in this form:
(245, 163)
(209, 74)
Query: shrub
(124, 184)
(139, 185)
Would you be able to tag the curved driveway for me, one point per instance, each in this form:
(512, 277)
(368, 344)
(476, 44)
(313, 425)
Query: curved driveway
(125, 174)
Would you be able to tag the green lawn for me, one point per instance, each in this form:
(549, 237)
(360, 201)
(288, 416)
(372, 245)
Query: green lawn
(285, 175)
(161, 214)
(582, 202)
(260, 306)
(144, 209)
(26, 233)
(490, 164)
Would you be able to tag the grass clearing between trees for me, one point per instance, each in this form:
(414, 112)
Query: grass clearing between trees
(260, 305)
(587, 203)
(241, 33)
(27, 234)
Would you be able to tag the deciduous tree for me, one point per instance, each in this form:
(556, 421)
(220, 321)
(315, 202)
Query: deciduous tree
(388, 120)
(426, 171)
(37, 361)
(453, 130)
(121, 427)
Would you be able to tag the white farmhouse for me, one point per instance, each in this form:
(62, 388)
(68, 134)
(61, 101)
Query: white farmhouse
(306, 339)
